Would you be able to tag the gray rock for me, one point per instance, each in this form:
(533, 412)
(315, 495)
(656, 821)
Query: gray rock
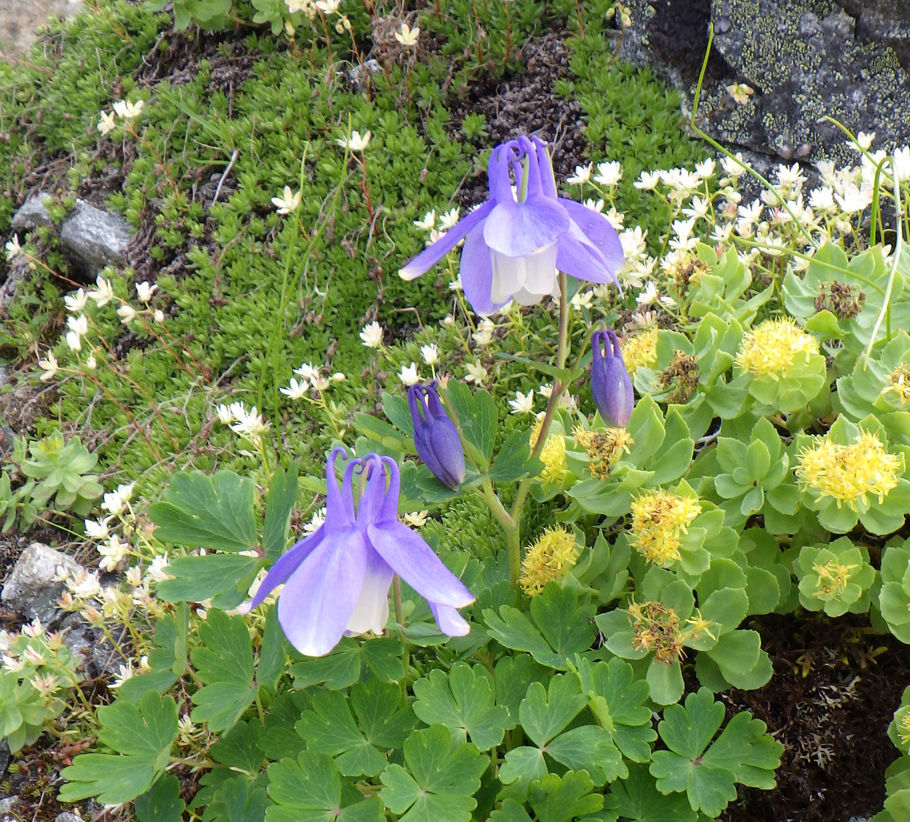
(93, 238)
(31, 589)
(8, 804)
(5, 756)
(32, 213)
(66, 816)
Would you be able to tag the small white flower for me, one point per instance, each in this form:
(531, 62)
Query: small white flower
(307, 371)
(13, 249)
(124, 672)
(705, 168)
(475, 372)
(112, 552)
(698, 209)
(582, 299)
(128, 110)
(456, 285)
(287, 201)
(248, 424)
(863, 141)
(338, 376)
(822, 199)
(107, 123)
(371, 335)
(484, 333)
(296, 390)
(91, 363)
(633, 242)
(901, 161)
(545, 391)
(428, 221)
(449, 219)
(78, 325)
(328, 6)
(97, 528)
(582, 175)
(648, 294)
(159, 316)
(308, 7)
(595, 205)
(429, 353)
(647, 180)
(156, 570)
(406, 35)
(126, 313)
(740, 92)
(523, 403)
(75, 302)
(615, 218)
(416, 519)
(144, 291)
(48, 366)
(225, 415)
(73, 341)
(733, 167)
(408, 374)
(103, 293)
(321, 383)
(357, 141)
(84, 585)
(609, 173)
(854, 199)
(315, 522)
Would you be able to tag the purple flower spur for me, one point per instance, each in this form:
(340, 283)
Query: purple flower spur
(519, 238)
(337, 580)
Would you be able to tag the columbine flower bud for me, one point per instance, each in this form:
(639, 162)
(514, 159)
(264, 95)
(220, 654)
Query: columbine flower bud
(611, 384)
(435, 435)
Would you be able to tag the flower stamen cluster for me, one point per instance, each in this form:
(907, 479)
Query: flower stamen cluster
(640, 350)
(548, 560)
(833, 577)
(658, 521)
(604, 448)
(553, 455)
(773, 347)
(849, 473)
(899, 383)
(656, 629)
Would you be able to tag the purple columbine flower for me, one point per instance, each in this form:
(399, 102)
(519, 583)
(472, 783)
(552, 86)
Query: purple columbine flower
(435, 435)
(514, 247)
(611, 384)
(337, 580)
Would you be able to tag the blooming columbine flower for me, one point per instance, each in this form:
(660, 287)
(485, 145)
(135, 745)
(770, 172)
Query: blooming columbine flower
(611, 385)
(435, 435)
(337, 580)
(513, 248)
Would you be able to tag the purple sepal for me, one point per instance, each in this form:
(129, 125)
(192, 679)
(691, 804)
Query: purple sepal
(611, 385)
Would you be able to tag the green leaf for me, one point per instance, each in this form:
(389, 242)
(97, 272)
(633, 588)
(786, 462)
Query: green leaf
(279, 503)
(342, 667)
(330, 727)
(207, 512)
(544, 713)
(309, 789)
(480, 428)
(162, 802)
(462, 700)
(273, 654)
(224, 662)
(742, 753)
(199, 578)
(439, 779)
(512, 675)
(514, 459)
(618, 700)
(564, 798)
(238, 799)
(141, 735)
(239, 748)
(637, 799)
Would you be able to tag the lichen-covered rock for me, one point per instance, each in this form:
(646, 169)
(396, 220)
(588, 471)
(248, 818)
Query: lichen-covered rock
(31, 589)
(93, 238)
(804, 59)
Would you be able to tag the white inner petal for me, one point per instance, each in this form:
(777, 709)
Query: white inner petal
(533, 275)
(371, 613)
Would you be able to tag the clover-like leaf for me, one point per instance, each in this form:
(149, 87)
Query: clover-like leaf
(309, 789)
(342, 667)
(438, 779)
(224, 662)
(141, 735)
(706, 771)
(207, 512)
(358, 747)
(462, 700)
(564, 798)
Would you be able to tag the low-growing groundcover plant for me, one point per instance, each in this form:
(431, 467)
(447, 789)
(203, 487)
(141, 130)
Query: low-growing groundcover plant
(604, 560)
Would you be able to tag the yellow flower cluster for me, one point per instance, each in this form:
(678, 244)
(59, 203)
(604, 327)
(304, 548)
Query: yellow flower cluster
(833, 577)
(658, 520)
(773, 346)
(656, 628)
(849, 473)
(603, 447)
(553, 455)
(640, 350)
(548, 560)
